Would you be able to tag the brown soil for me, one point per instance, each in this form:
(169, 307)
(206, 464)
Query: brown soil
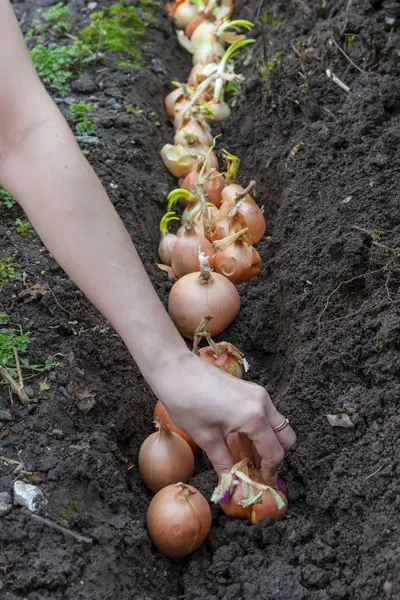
(316, 351)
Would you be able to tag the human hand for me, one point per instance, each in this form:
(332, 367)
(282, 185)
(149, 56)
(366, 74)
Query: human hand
(208, 404)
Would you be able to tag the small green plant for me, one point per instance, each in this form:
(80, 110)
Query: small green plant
(44, 386)
(135, 111)
(16, 338)
(349, 42)
(58, 16)
(6, 198)
(4, 319)
(269, 19)
(81, 109)
(69, 510)
(84, 126)
(8, 271)
(120, 29)
(381, 343)
(23, 227)
(55, 64)
(275, 61)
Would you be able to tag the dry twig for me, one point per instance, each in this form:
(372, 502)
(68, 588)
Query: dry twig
(15, 386)
(57, 527)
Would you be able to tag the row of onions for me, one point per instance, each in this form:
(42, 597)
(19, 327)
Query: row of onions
(211, 251)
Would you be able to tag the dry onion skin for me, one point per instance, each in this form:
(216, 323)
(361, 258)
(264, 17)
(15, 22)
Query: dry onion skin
(165, 458)
(193, 132)
(223, 355)
(202, 294)
(236, 258)
(161, 412)
(178, 520)
(243, 494)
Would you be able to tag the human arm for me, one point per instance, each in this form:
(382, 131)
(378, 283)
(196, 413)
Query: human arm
(44, 168)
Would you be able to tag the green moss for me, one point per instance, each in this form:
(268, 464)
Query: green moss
(269, 19)
(121, 29)
(69, 510)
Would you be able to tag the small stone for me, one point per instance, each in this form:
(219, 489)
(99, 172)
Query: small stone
(85, 85)
(29, 496)
(58, 434)
(111, 102)
(340, 420)
(5, 415)
(29, 391)
(92, 5)
(347, 199)
(5, 503)
(90, 140)
(158, 66)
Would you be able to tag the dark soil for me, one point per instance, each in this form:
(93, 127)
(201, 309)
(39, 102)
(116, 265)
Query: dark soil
(319, 345)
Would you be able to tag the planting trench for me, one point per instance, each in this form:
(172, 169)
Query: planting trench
(324, 161)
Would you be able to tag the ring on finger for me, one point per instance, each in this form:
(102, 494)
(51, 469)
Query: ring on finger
(281, 426)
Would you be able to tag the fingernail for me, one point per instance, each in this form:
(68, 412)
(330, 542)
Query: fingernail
(281, 484)
(226, 497)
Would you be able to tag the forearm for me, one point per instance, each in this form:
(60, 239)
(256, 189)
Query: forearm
(72, 214)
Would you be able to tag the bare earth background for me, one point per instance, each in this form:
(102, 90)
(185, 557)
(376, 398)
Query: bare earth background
(340, 538)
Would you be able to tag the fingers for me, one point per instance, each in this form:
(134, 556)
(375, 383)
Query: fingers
(219, 454)
(266, 444)
(246, 447)
(286, 437)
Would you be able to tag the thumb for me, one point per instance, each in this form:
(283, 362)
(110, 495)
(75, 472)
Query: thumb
(220, 455)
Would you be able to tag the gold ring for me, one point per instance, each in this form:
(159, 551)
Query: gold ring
(284, 423)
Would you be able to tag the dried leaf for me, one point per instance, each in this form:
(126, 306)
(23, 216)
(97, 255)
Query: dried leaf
(340, 420)
(28, 477)
(229, 37)
(84, 398)
(35, 292)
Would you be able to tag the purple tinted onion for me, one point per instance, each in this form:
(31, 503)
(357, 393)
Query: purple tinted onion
(226, 497)
(281, 484)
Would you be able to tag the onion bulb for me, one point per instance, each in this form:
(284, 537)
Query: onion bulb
(165, 458)
(233, 223)
(161, 412)
(204, 33)
(185, 257)
(236, 258)
(178, 520)
(168, 240)
(204, 52)
(193, 24)
(174, 102)
(233, 194)
(196, 75)
(193, 132)
(243, 493)
(180, 160)
(213, 185)
(223, 355)
(216, 111)
(184, 14)
(202, 294)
